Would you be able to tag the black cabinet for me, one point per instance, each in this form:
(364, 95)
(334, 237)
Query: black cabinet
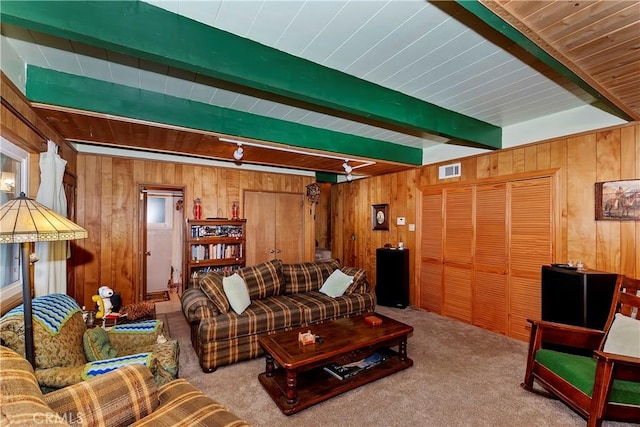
(577, 297)
(392, 277)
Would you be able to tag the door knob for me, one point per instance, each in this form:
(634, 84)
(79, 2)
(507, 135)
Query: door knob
(278, 251)
(272, 251)
(147, 253)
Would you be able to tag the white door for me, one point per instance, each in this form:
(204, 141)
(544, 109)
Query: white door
(164, 242)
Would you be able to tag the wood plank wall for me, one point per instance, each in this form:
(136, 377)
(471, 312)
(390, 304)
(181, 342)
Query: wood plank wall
(353, 240)
(108, 209)
(323, 216)
(582, 160)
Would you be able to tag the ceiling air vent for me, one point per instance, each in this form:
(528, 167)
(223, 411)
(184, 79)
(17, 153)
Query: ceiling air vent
(449, 171)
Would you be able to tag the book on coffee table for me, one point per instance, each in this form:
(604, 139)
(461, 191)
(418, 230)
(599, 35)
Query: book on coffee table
(348, 370)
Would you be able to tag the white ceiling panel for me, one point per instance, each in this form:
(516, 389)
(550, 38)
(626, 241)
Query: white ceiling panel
(271, 21)
(312, 18)
(243, 102)
(25, 46)
(403, 27)
(234, 17)
(453, 68)
(411, 46)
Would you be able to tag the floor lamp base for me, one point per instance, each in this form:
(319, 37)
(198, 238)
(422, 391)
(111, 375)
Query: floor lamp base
(29, 352)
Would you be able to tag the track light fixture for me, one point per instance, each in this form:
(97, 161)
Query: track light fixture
(238, 153)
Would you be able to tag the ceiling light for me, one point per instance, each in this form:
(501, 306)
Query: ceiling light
(238, 153)
(347, 168)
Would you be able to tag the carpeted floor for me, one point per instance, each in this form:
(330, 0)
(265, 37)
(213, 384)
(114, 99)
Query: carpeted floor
(462, 376)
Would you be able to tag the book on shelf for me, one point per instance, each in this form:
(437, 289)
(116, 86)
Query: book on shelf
(348, 370)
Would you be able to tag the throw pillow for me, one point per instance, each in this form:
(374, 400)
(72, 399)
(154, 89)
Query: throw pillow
(624, 336)
(211, 285)
(237, 293)
(336, 284)
(360, 283)
(307, 276)
(263, 280)
(97, 345)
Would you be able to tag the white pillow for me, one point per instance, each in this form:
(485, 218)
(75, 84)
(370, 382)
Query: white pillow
(236, 291)
(336, 284)
(624, 336)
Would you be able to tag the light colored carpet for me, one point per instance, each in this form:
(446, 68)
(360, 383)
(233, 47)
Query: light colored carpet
(462, 376)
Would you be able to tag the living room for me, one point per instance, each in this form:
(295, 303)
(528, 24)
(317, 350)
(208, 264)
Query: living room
(106, 204)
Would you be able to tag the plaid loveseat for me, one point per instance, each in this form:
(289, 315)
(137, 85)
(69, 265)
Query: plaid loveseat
(123, 397)
(283, 296)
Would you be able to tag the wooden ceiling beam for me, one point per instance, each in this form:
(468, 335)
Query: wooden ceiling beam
(151, 33)
(83, 93)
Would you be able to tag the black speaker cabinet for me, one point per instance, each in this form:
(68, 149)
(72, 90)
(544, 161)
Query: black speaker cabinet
(577, 297)
(392, 277)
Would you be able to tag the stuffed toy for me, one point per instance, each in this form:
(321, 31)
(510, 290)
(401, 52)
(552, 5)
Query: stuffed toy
(104, 301)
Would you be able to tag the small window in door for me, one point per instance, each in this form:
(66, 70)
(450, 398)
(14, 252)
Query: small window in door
(159, 213)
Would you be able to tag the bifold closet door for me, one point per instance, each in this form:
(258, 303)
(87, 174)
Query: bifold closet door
(482, 248)
(458, 251)
(275, 226)
(259, 210)
(530, 248)
(490, 259)
(431, 252)
(289, 219)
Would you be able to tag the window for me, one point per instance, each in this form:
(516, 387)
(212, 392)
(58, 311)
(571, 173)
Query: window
(159, 213)
(13, 180)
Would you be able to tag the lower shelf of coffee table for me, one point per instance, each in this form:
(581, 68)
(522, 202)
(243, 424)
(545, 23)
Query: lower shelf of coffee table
(316, 385)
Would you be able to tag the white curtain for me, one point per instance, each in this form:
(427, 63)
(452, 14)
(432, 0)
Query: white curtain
(51, 270)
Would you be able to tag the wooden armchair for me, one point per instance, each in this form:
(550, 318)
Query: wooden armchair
(601, 384)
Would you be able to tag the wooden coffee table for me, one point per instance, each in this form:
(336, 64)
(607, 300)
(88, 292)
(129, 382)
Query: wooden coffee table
(299, 381)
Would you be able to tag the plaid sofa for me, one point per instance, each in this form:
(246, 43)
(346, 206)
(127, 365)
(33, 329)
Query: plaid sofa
(126, 396)
(283, 297)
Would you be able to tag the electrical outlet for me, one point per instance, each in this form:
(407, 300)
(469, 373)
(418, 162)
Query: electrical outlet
(401, 220)
(412, 227)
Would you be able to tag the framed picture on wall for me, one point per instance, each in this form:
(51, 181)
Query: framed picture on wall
(618, 200)
(380, 217)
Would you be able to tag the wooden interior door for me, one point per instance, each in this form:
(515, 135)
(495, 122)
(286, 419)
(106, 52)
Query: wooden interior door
(275, 226)
(289, 225)
(491, 258)
(259, 210)
(530, 249)
(458, 250)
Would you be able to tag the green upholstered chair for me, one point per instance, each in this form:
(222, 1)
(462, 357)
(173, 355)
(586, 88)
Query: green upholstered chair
(596, 373)
(67, 352)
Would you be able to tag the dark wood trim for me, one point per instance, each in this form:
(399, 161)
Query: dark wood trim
(23, 119)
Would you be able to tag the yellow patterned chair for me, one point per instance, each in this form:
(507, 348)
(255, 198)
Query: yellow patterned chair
(126, 396)
(67, 352)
